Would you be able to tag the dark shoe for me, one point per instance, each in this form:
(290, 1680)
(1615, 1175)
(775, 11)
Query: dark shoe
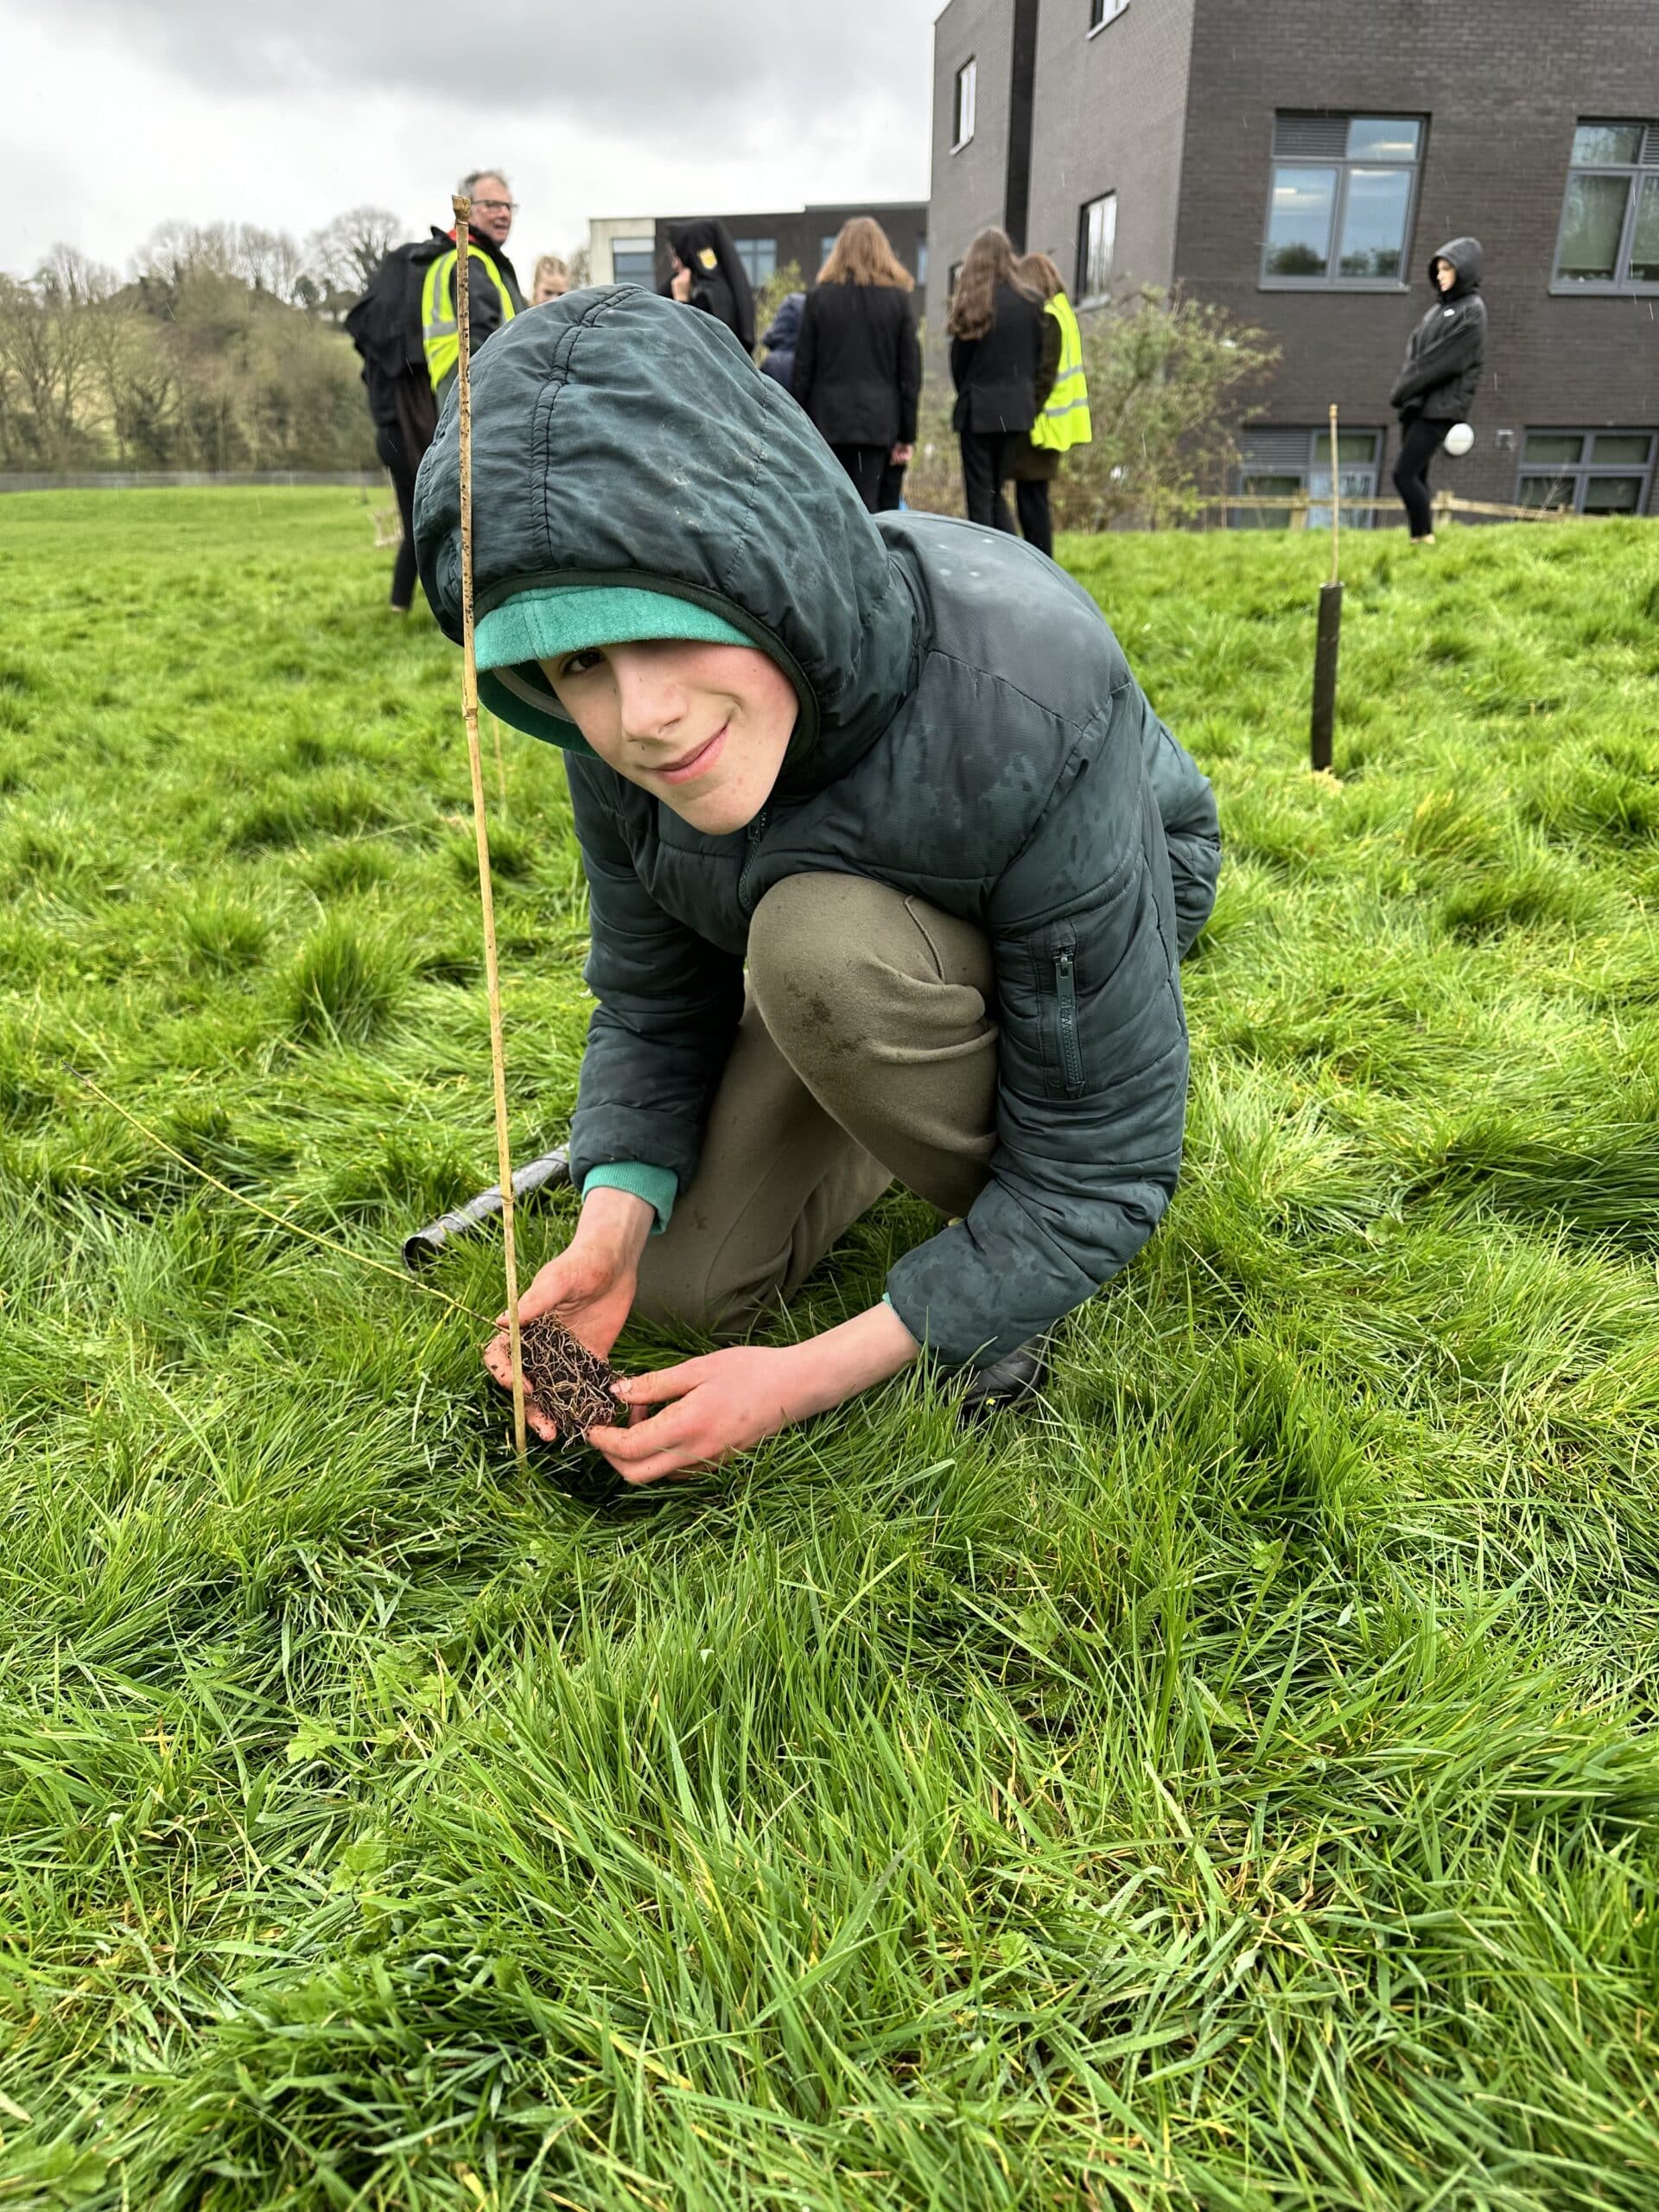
(1006, 1383)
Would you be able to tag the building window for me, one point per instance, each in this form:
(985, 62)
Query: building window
(1586, 472)
(1096, 236)
(951, 277)
(826, 247)
(1102, 12)
(1288, 464)
(967, 81)
(759, 257)
(1341, 203)
(921, 256)
(1610, 219)
(633, 261)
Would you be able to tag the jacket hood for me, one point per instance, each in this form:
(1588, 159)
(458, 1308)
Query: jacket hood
(1467, 257)
(786, 323)
(619, 440)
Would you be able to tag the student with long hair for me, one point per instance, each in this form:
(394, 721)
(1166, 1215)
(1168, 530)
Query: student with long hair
(550, 282)
(1032, 463)
(858, 361)
(708, 274)
(995, 324)
(889, 863)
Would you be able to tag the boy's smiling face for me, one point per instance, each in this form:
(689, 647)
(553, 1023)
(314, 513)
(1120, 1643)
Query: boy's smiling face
(702, 727)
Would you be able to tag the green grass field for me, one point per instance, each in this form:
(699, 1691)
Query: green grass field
(1234, 1788)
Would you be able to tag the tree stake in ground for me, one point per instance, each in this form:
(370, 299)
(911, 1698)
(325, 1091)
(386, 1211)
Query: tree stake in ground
(469, 709)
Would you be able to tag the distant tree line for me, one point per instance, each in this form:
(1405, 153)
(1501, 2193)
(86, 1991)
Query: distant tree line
(223, 350)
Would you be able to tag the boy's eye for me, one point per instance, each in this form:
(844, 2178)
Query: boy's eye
(582, 663)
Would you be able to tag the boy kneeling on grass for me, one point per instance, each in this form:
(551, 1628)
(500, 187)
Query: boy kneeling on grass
(897, 764)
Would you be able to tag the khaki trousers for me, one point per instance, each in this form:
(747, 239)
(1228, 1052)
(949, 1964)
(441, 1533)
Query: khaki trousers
(867, 1051)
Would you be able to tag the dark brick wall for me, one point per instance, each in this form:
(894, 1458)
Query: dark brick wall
(1503, 83)
(1108, 116)
(969, 186)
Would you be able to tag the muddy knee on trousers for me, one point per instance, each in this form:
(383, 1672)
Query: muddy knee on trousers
(880, 1003)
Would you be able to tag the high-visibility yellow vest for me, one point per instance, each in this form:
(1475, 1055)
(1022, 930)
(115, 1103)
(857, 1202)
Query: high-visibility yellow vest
(1064, 420)
(440, 331)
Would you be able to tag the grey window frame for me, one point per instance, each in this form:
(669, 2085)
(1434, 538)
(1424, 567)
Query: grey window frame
(1109, 12)
(637, 245)
(1083, 296)
(970, 65)
(1646, 164)
(1579, 473)
(1342, 163)
(1315, 453)
(738, 244)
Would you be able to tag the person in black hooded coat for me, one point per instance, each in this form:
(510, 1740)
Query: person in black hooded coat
(708, 275)
(782, 335)
(1437, 385)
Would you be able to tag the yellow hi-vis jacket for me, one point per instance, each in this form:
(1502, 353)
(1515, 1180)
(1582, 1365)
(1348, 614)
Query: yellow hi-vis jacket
(1064, 420)
(440, 331)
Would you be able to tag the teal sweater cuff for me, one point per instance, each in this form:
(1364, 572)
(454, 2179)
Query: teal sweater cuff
(659, 1186)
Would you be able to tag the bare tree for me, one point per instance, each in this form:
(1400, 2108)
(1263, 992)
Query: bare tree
(346, 252)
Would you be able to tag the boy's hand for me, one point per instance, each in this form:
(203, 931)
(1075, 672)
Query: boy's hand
(730, 1400)
(589, 1285)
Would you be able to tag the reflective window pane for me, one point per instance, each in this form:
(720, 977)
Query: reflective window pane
(1355, 445)
(1644, 243)
(1263, 487)
(1382, 138)
(1590, 228)
(1099, 237)
(1612, 495)
(1374, 222)
(1554, 492)
(1552, 445)
(1299, 227)
(1621, 446)
(1596, 145)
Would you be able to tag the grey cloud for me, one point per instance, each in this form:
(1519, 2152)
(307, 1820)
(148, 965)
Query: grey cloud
(652, 64)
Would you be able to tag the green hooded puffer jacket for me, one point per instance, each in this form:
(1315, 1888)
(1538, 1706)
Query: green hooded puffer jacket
(968, 733)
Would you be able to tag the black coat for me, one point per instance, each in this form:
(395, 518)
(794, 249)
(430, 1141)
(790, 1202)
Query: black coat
(858, 364)
(782, 334)
(995, 375)
(1023, 462)
(1447, 351)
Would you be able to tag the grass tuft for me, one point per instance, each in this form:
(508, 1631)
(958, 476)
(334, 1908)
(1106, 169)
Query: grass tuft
(1234, 1786)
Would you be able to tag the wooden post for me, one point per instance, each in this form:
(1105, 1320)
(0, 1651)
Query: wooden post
(1328, 644)
(463, 208)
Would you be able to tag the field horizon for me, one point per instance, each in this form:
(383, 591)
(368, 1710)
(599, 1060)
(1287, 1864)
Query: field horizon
(1233, 1786)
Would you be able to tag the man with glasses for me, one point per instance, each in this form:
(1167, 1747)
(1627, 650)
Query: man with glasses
(493, 297)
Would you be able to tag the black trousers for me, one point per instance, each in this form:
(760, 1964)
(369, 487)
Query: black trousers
(403, 573)
(866, 465)
(982, 477)
(1422, 440)
(1031, 505)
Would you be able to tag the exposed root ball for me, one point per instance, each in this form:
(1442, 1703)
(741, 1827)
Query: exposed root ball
(571, 1385)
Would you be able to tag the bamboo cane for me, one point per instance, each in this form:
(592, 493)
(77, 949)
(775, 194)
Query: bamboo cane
(463, 207)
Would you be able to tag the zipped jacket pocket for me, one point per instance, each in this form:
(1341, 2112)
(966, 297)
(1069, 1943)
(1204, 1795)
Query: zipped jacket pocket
(1063, 968)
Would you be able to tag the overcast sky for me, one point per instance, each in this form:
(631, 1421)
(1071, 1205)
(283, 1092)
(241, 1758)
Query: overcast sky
(123, 114)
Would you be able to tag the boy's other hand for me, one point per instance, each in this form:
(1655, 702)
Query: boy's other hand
(730, 1400)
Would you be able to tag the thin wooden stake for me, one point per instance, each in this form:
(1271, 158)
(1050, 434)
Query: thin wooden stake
(463, 207)
(1328, 641)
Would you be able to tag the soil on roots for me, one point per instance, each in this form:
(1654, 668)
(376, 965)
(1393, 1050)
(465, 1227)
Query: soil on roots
(572, 1386)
